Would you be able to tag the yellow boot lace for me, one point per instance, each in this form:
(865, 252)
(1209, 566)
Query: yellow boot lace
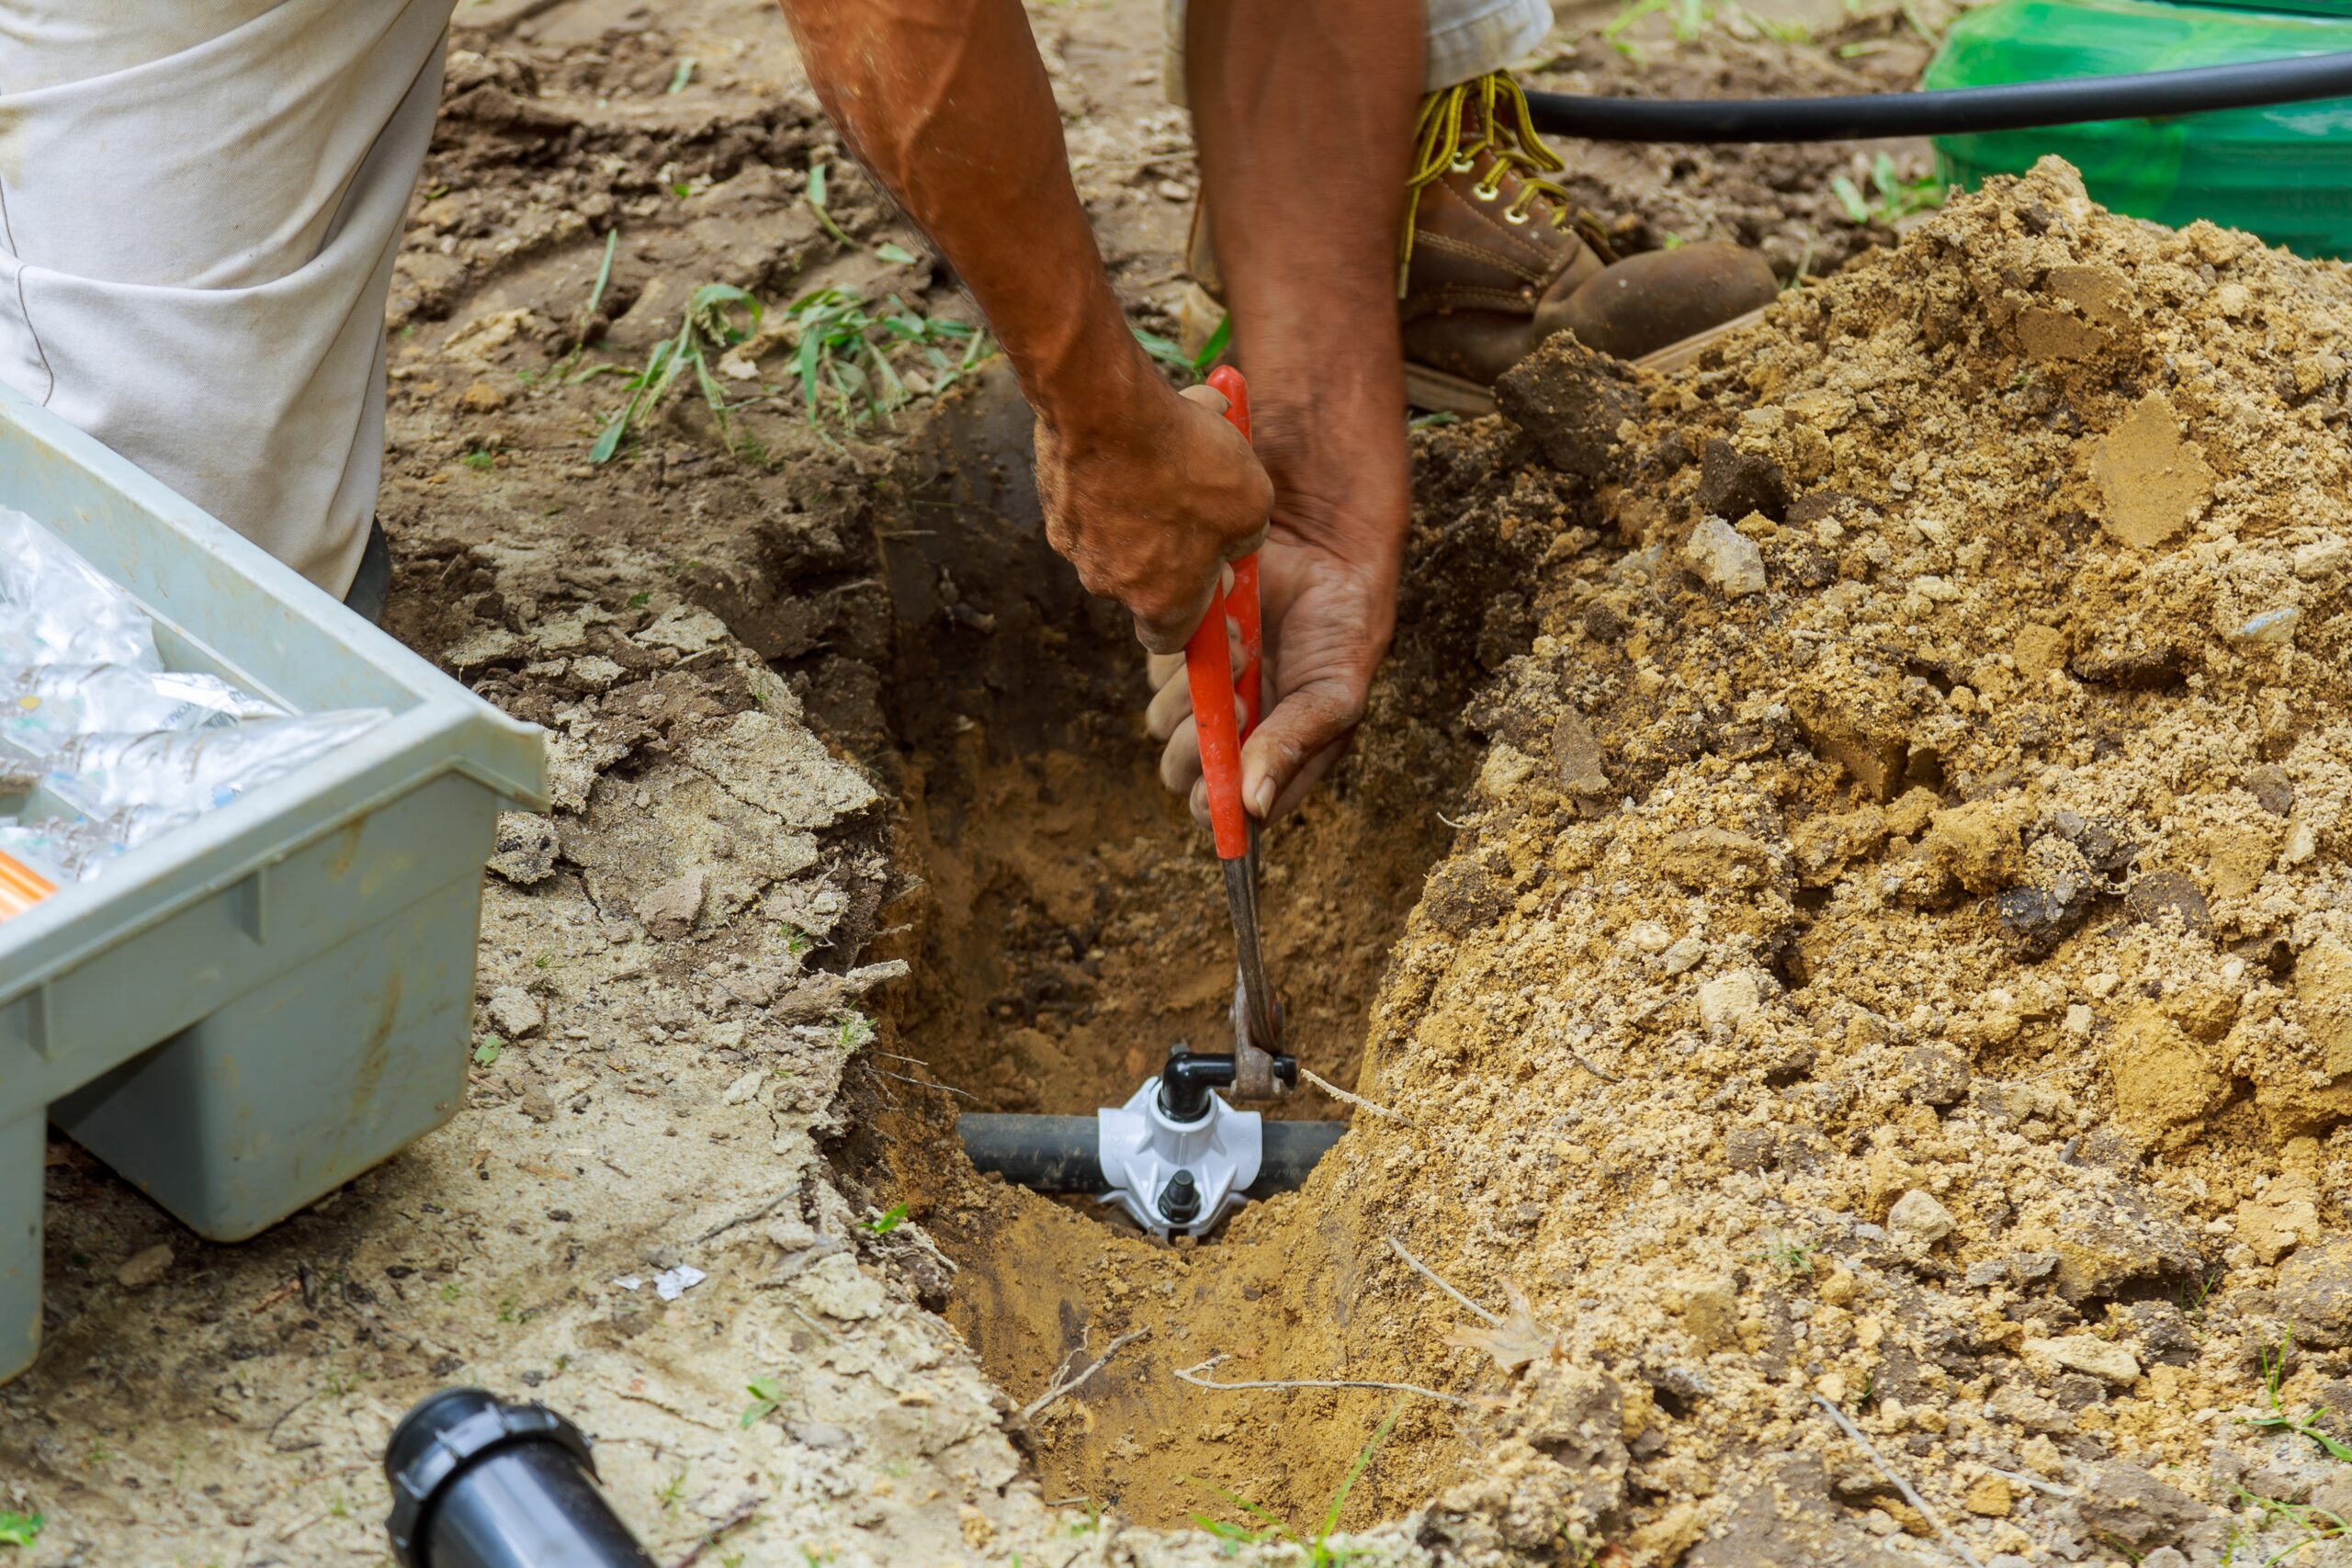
(1504, 128)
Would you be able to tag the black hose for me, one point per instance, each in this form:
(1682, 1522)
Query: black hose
(1058, 1154)
(479, 1484)
(1958, 111)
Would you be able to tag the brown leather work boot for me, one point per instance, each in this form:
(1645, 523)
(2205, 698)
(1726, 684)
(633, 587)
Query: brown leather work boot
(1496, 258)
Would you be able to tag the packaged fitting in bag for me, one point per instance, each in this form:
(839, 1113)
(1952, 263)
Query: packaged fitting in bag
(101, 748)
(55, 608)
(166, 777)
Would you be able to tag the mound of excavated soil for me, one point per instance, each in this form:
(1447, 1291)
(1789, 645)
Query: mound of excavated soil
(1898, 957)
(1895, 959)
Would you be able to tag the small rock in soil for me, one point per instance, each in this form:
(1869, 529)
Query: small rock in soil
(1724, 559)
(1917, 1218)
(670, 910)
(2272, 789)
(2160, 894)
(1733, 483)
(2315, 1294)
(1571, 400)
(143, 1267)
(524, 851)
(2127, 1504)
(515, 1012)
(2087, 1353)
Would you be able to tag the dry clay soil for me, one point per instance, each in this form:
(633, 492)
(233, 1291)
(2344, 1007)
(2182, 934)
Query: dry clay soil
(1834, 905)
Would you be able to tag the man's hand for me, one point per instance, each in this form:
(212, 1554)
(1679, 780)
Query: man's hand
(1149, 501)
(1328, 584)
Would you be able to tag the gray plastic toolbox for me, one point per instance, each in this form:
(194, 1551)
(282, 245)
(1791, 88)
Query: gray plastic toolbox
(244, 1013)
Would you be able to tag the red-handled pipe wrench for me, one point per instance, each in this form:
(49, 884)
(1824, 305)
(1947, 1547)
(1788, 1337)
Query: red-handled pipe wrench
(1260, 1073)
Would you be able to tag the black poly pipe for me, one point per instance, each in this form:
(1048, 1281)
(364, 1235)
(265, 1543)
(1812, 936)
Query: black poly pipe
(1059, 1154)
(1957, 111)
(481, 1484)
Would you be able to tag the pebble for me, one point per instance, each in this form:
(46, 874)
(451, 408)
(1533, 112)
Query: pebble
(1648, 936)
(515, 1012)
(142, 1268)
(1684, 955)
(2087, 1353)
(670, 910)
(1725, 558)
(1728, 1000)
(1916, 1216)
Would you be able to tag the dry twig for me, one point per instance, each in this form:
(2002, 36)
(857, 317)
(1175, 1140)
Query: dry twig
(1959, 1548)
(1359, 1101)
(1425, 1272)
(1190, 1375)
(710, 1537)
(1062, 1385)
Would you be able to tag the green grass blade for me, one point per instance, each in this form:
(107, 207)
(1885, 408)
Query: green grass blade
(1210, 350)
(1355, 1472)
(603, 271)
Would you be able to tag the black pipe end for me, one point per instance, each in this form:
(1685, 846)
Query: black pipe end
(441, 1437)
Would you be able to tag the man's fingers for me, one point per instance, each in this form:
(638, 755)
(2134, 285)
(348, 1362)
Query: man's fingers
(1180, 760)
(1294, 746)
(1170, 706)
(1158, 669)
(1167, 634)
(1208, 397)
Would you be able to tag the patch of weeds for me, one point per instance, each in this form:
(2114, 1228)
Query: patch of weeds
(1790, 1257)
(681, 74)
(891, 1219)
(510, 1309)
(717, 317)
(2317, 1524)
(638, 600)
(100, 1456)
(481, 459)
(487, 1052)
(895, 253)
(1169, 354)
(673, 1492)
(796, 941)
(20, 1529)
(767, 1398)
(853, 1031)
(1688, 19)
(1437, 420)
(2274, 1369)
(452, 1291)
(852, 354)
(1320, 1553)
(1891, 197)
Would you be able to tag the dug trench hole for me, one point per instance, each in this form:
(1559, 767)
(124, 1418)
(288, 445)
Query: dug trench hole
(1067, 926)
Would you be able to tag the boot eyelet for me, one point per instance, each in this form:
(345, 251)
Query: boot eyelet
(1463, 166)
(1511, 215)
(1484, 192)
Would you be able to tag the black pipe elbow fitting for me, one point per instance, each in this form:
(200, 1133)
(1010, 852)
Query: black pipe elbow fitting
(481, 1484)
(1188, 1077)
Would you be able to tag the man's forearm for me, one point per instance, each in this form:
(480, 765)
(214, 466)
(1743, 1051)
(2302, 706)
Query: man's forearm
(1304, 112)
(946, 103)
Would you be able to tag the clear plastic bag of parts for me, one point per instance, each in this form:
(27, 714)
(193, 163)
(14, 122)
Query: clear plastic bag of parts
(103, 749)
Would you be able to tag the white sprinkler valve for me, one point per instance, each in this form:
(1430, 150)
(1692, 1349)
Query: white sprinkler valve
(1178, 1178)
